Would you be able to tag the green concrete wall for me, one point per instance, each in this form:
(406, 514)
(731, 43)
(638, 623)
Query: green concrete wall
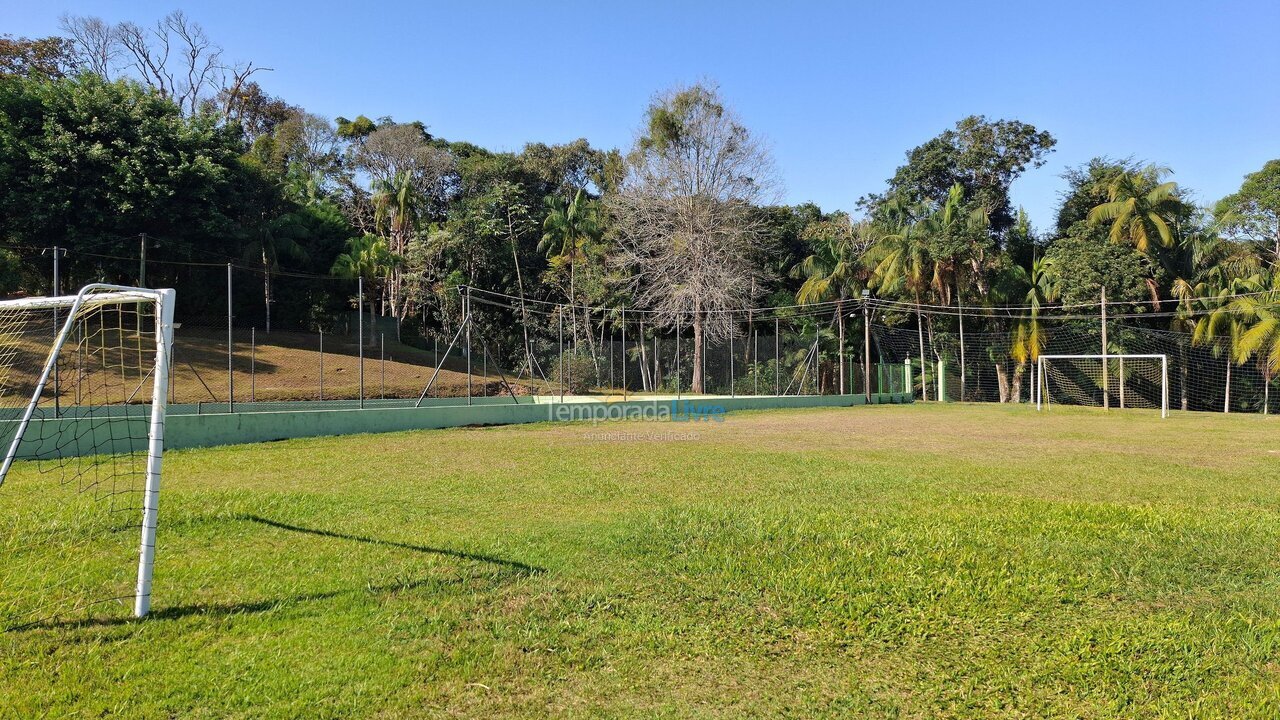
(188, 427)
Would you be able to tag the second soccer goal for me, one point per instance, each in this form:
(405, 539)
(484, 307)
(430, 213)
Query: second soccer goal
(1111, 381)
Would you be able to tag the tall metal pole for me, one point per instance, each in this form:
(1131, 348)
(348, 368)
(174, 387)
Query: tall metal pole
(1106, 389)
(624, 355)
(142, 260)
(231, 375)
(777, 356)
(732, 392)
(466, 304)
(560, 358)
(360, 333)
(866, 345)
(253, 364)
(677, 359)
(382, 366)
(322, 364)
(755, 356)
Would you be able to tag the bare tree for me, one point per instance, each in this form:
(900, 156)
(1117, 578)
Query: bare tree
(176, 57)
(96, 42)
(685, 216)
(404, 148)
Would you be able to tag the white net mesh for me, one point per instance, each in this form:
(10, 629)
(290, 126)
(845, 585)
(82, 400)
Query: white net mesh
(71, 504)
(1124, 381)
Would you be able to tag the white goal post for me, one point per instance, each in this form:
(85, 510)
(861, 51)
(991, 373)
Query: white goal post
(1044, 364)
(89, 407)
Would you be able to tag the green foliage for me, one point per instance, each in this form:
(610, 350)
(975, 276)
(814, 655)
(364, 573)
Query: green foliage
(90, 164)
(983, 156)
(1253, 213)
(46, 58)
(1084, 265)
(574, 370)
(1141, 210)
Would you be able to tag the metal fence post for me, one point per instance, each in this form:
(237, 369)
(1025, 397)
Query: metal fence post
(777, 357)
(360, 333)
(253, 364)
(467, 319)
(678, 383)
(624, 355)
(231, 375)
(382, 366)
(322, 364)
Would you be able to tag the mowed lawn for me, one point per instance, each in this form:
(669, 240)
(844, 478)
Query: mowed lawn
(898, 561)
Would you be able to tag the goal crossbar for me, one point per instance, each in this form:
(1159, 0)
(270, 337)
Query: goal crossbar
(1041, 380)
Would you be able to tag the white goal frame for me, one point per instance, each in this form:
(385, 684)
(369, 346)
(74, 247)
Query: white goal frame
(98, 295)
(1164, 376)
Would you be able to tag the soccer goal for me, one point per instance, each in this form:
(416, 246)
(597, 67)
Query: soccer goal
(1121, 381)
(83, 386)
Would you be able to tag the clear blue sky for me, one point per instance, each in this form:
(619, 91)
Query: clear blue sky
(840, 91)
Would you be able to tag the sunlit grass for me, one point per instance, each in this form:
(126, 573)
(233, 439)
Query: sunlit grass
(917, 561)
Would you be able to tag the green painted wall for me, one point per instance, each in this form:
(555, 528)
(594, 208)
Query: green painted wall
(188, 426)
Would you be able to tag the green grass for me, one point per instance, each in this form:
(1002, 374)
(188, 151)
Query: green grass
(898, 561)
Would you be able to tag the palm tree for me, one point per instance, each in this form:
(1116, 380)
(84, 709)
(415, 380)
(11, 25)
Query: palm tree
(396, 207)
(1041, 281)
(1260, 313)
(1142, 210)
(368, 258)
(275, 238)
(900, 261)
(1206, 269)
(953, 229)
(834, 272)
(1222, 325)
(567, 230)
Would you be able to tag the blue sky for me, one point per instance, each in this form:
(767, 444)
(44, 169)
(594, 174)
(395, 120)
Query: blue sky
(841, 91)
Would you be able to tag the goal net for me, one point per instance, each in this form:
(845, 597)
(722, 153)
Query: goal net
(1112, 381)
(83, 384)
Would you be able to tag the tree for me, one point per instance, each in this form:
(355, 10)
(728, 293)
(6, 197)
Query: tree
(1140, 210)
(1085, 264)
(50, 58)
(279, 236)
(396, 207)
(685, 216)
(366, 258)
(1253, 213)
(1260, 314)
(174, 57)
(957, 242)
(1041, 282)
(140, 166)
(834, 272)
(567, 231)
(1222, 325)
(900, 262)
(983, 156)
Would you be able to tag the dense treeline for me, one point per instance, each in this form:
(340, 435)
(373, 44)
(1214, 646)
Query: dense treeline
(108, 157)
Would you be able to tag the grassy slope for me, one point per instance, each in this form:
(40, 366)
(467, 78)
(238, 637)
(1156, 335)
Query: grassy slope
(285, 366)
(920, 561)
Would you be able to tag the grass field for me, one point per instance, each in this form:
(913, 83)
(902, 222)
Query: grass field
(895, 561)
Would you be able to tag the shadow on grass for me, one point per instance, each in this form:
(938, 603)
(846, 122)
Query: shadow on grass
(514, 565)
(266, 605)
